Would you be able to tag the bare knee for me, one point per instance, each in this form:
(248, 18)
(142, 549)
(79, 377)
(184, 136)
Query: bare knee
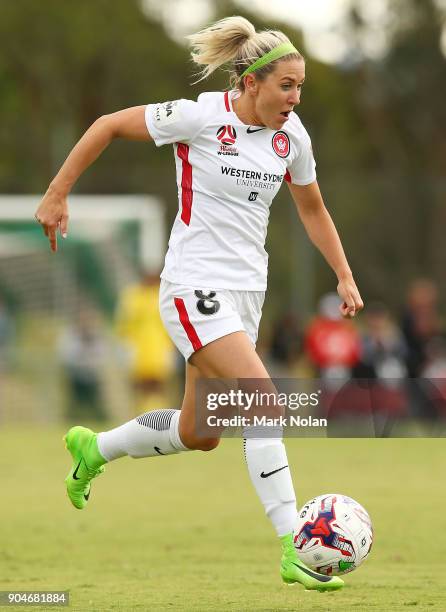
(203, 444)
(208, 444)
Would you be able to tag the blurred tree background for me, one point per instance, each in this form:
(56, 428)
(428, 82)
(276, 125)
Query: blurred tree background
(378, 129)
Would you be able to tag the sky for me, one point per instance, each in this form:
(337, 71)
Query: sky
(320, 20)
(322, 24)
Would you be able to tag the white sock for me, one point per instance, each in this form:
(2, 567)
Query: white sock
(149, 435)
(268, 468)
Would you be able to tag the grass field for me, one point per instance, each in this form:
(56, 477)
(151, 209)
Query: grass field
(188, 533)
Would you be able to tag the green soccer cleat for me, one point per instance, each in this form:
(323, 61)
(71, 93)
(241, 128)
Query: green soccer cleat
(87, 464)
(293, 570)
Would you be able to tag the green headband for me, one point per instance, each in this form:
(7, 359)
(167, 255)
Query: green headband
(283, 49)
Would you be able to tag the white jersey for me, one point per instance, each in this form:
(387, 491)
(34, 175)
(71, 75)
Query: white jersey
(227, 175)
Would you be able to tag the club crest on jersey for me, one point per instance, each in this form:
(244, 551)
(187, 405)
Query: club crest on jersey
(227, 136)
(281, 144)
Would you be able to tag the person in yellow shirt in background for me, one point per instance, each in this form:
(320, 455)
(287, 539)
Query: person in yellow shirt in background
(151, 352)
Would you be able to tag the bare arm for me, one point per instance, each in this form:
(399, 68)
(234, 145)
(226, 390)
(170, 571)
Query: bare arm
(52, 212)
(322, 232)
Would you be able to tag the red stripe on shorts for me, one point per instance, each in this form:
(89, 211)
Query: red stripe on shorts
(187, 325)
(228, 108)
(287, 177)
(186, 183)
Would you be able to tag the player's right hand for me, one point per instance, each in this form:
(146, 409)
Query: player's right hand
(52, 214)
(351, 300)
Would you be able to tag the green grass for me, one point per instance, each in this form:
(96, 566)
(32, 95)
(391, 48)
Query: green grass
(188, 533)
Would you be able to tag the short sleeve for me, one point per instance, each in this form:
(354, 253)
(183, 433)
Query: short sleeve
(176, 121)
(302, 169)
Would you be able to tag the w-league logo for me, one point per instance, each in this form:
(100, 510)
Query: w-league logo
(281, 144)
(226, 134)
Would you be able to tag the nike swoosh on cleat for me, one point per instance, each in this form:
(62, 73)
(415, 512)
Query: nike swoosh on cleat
(75, 471)
(158, 450)
(263, 475)
(251, 130)
(313, 574)
(87, 496)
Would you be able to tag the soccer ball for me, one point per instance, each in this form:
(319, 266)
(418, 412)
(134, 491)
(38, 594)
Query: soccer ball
(333, 534)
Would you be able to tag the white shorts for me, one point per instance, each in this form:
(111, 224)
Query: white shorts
(194, 317)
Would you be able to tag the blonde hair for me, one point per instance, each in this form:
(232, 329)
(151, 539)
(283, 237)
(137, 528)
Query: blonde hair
(234, 41)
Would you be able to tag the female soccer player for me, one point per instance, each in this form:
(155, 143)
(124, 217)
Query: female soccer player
(232, 151)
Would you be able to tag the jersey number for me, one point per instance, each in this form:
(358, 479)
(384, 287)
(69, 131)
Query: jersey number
(206, 303)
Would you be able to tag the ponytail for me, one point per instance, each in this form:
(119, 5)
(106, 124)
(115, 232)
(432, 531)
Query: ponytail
(234, 41)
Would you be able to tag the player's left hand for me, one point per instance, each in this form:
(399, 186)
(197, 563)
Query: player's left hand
(52, 214)
(351, 299)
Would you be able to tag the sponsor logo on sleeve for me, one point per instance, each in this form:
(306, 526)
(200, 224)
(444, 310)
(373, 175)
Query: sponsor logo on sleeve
(167, 113)
(281, 144)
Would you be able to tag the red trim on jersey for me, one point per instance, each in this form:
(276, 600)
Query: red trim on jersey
(186, 183)
(227, 104)
(287, 177)
(187, 325)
